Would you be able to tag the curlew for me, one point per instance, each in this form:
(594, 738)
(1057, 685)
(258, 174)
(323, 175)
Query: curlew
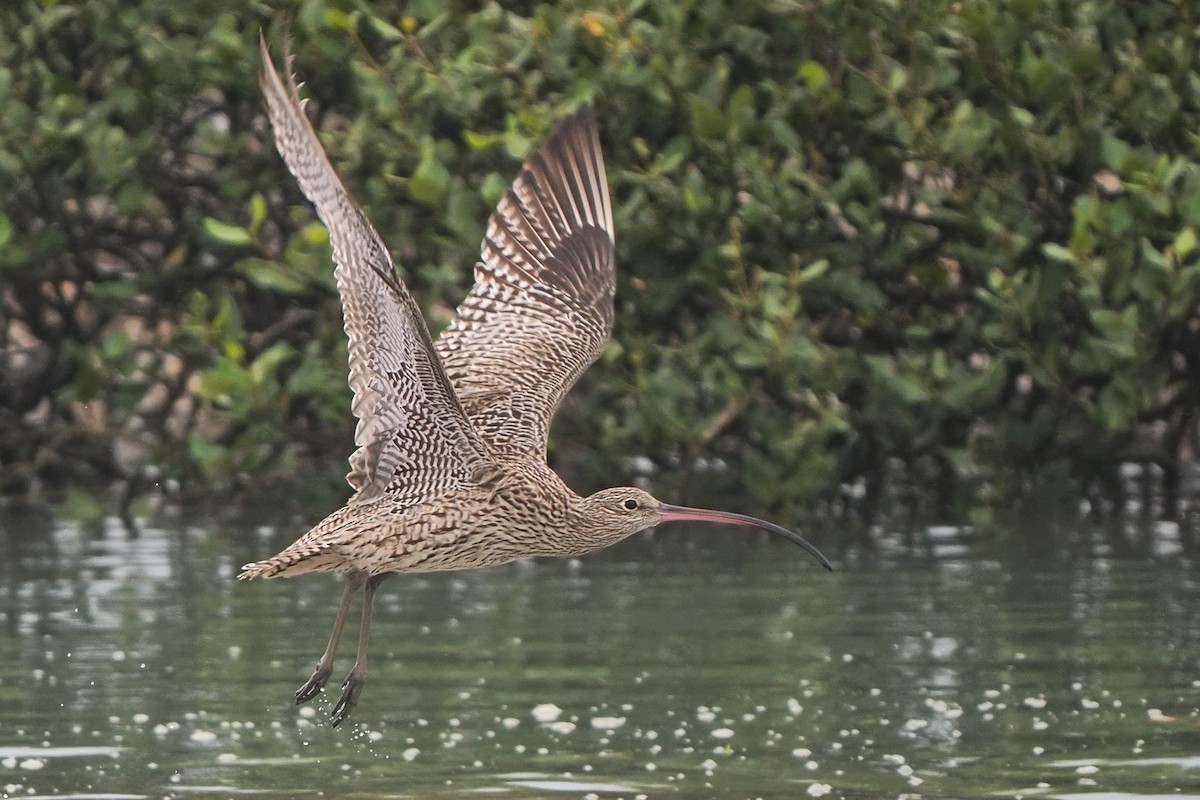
(450, 471)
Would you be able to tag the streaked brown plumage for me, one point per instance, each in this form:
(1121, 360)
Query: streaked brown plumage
(450, 471)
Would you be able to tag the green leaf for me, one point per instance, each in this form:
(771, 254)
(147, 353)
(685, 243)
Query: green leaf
(973, 392)
(265, 366)
(225, 233)
(894, 385)
(337, 19)
(384, 28)
(482, 141)
(492, 189)
(1057, 252)
(269, 275)
(428, 183)
(314, 233)
(1115, 151)
(258, 212)
(751, 355)
(116, 345)
(814, 75)
(1185, 242)
(707, 120)
(224, 383)
(1021, 116)
(212, 457)
(1118, 404)
(813, 271)
(856, 293)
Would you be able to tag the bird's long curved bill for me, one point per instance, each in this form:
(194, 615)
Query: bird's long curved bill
(671, 513)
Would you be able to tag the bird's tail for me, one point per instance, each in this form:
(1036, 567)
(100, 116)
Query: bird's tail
(293, 561)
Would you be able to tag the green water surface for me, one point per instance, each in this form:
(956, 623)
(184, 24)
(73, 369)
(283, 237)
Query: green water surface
(691, 663)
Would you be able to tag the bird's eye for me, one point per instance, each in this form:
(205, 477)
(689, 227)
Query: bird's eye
(630, 504)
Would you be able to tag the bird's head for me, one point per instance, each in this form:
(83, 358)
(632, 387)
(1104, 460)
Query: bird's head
(622, 511)
(625, 510)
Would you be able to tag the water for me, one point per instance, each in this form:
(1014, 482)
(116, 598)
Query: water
(689, 663)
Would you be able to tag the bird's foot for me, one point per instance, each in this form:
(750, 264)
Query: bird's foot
(315, 683)
(351, 690)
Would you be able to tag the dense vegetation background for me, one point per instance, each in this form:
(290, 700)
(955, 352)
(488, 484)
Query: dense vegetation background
(952, 242)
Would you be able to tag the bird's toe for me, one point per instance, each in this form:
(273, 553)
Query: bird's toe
(351, 690)
(314, 684)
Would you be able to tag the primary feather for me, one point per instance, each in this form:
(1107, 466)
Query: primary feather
(414, 439)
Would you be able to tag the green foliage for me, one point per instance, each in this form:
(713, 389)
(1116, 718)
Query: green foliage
(953, 237)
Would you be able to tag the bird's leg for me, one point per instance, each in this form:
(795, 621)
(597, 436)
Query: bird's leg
(324, 667)
(353, 685)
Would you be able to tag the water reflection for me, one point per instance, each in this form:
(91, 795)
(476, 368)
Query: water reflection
(683, 663)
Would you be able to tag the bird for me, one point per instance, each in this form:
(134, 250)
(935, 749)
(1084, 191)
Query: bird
(450, 469)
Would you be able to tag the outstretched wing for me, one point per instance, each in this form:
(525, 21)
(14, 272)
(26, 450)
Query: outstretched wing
(413, 437)
(541, 309)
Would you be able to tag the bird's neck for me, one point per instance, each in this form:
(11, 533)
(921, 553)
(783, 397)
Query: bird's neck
(551, 518)
(585, 530)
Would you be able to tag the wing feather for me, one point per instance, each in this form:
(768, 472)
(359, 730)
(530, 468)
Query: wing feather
(541, 309)
(413, 436)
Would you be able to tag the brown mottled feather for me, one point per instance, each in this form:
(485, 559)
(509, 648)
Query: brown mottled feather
(414, 440)
(541, 309)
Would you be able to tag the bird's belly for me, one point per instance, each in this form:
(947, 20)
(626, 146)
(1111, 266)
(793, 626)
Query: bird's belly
(426, 548)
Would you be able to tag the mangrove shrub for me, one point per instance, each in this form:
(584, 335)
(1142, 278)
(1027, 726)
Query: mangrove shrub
(954, 241)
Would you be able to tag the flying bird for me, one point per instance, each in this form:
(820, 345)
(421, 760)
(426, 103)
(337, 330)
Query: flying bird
(450, 471)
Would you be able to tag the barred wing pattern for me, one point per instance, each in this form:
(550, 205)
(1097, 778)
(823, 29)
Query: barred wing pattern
(414, 439)
(541, 309)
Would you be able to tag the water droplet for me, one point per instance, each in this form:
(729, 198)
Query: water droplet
(607, 723)
(546, 712)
